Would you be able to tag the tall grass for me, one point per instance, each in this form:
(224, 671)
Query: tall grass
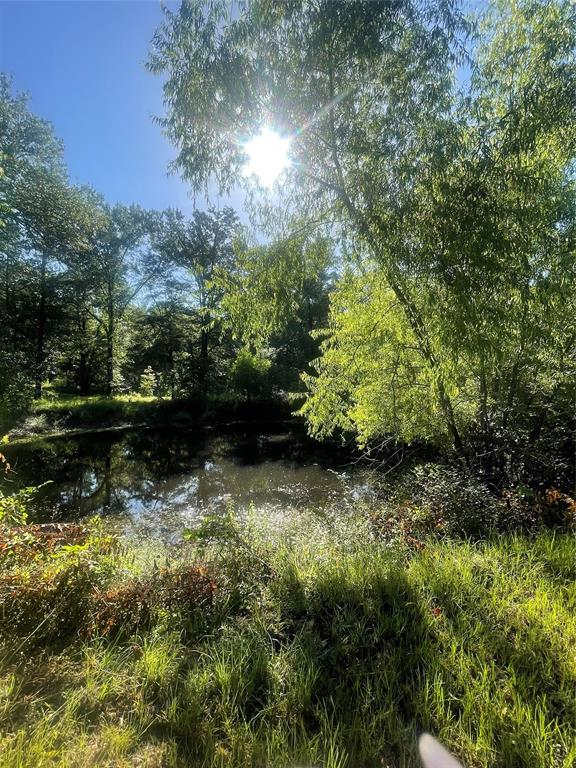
(324, 648)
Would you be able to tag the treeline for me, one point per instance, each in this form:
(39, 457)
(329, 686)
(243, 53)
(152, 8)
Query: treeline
(432, 152)
(100, 298)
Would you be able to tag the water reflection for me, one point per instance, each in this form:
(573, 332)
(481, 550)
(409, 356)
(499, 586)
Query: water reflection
(154, 483)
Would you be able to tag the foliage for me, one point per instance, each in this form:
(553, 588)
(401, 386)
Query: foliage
(148, 382)
(370, 379)
(270, 285)
(164, 339)
(48, 577)
(93, 293)
(29, 155)
(13, 506)
(61, 580)
(272, 298)
(15, 389)
(440, 500)
(201, 246)
(455, 200)
(450, 501)
(435, 154)
(249, 374)
(183, 594)
(339, 654)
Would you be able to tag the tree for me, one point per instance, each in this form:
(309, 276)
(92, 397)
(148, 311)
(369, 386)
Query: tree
(273, 297)
(126, 263)
(148, 382)
(30, 163)
(201, 245)
(55, 221)
(458, 206)
(26, 141)
(365, 86)
(162, 339)
(45, 217)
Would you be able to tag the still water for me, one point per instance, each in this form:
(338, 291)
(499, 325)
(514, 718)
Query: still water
(155, 483)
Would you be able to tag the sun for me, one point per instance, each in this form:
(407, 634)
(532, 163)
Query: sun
(267, 156)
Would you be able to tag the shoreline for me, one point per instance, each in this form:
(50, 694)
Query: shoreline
(97, 415)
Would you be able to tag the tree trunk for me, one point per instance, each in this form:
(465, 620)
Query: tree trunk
(41, 331)
(9, 321)
(204, 357)
(110, 344)
(83, 363)
(84, 374)
(171, 375)
(204, 344)
(7, 286)
(109, 362)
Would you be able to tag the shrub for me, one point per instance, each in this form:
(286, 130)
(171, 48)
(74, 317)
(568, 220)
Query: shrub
(13, 506)
(136, 604)
(442, 500)
(454, 500)
(437, 500)
(48, 575)
(148, 382)
(250, 374)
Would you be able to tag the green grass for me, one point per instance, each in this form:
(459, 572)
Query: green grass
(324, 648)
(90, 408)
(66, 414)
(73, 402)
(59, 414)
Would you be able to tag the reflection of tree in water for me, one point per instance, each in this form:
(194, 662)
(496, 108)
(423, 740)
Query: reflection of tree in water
(115, 474)
(106, 473)
(156, 482)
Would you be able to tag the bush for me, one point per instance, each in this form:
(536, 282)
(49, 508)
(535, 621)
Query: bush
(48, 575)
(443, 500)
(13, 506)
(148, 382)
(135, 605)
(15, 390)
(61, 580)
(250, 374)
(454, 500)
(440, 500)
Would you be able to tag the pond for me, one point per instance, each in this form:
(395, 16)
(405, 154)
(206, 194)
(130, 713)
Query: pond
(154, 483)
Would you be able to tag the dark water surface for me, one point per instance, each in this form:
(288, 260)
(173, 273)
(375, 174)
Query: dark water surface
(155, 483)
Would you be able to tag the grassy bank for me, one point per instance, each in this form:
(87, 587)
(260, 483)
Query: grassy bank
(319, 646)
(70, 413)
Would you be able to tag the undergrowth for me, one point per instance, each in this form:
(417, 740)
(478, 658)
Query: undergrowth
(302, 644)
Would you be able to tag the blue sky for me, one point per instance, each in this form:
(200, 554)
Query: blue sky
(82, 62)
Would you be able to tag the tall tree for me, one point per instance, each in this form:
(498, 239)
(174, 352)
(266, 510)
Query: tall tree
(162, 340)
(126, 264)
(459, 206)
(29, 154)
(54, 221)
(274, 297)
(201, 245)
(365, 88)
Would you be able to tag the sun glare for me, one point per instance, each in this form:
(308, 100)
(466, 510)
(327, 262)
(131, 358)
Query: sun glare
(267, 156)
